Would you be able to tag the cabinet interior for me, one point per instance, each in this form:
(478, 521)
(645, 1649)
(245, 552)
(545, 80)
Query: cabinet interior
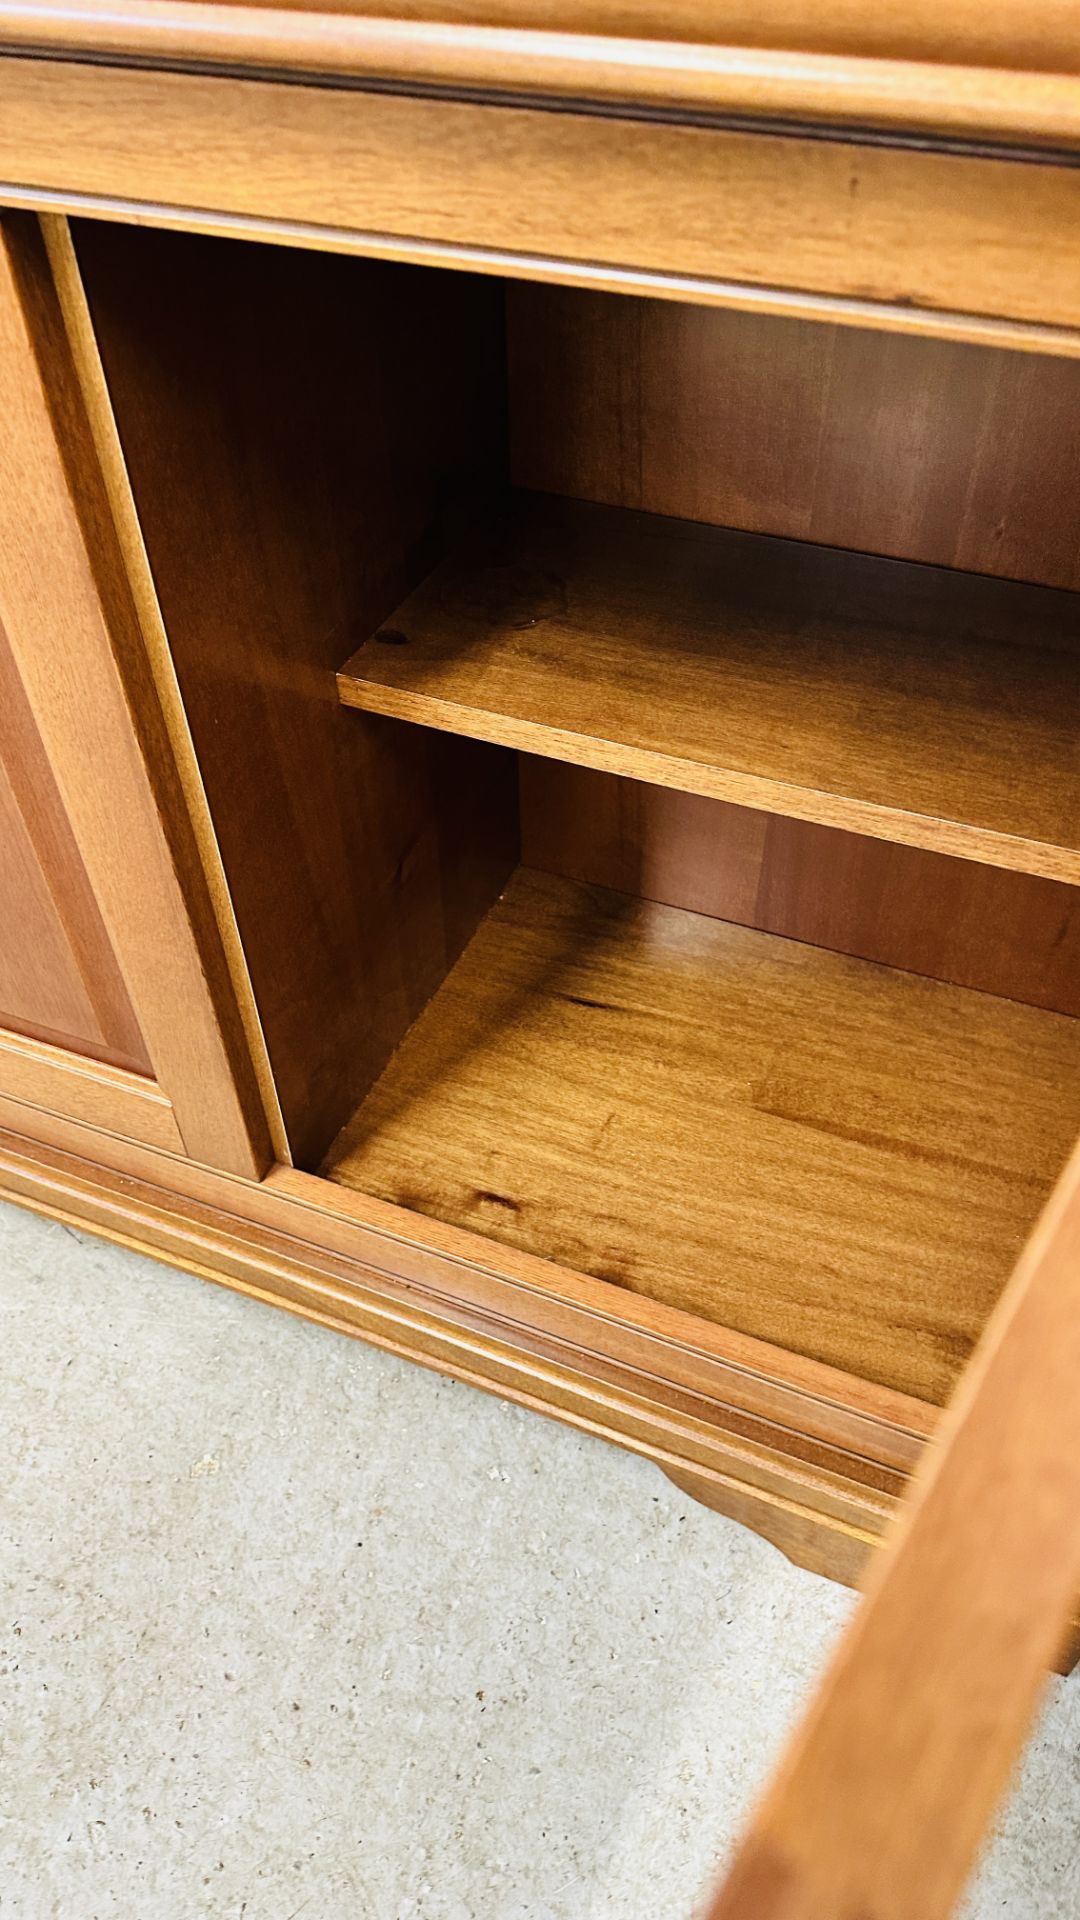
(644, 746)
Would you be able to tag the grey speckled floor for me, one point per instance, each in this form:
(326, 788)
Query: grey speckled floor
(288, 1627)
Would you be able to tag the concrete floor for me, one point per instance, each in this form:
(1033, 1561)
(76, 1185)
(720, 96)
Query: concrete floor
(289, 1628)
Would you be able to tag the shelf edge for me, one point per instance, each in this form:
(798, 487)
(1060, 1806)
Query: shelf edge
(876, 821)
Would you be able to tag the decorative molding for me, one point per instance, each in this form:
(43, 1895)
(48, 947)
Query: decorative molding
(826, 84)
(53, 1079)
(812, 1459)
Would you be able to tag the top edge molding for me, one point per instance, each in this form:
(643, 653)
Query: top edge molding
(995, 73)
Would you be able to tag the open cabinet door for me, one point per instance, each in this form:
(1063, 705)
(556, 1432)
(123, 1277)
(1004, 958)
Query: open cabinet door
(879, 1806)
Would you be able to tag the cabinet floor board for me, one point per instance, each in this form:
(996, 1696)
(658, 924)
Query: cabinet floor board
(830, 1155)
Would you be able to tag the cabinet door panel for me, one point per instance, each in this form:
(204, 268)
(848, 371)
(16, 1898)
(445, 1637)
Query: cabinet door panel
(41, 988)
(108, 937)
(881, 1801)
(59, 977)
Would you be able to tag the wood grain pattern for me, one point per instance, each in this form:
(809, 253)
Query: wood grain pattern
(938, 451)
(904, 233)
(513, 58)
(830, 1156)
(77, 651)
(881, 1803)
(286, 419)
(928, 708)
(955, 920)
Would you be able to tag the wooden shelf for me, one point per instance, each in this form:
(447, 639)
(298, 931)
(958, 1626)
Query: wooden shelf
(910, 703)
(833, 1156)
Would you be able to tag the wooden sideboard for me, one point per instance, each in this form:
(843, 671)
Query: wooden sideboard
(540, 764)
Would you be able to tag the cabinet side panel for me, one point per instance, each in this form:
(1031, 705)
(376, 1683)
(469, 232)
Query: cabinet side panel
(303, 432)
(954, 454)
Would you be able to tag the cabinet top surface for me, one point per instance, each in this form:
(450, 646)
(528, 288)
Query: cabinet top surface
(1036, 35)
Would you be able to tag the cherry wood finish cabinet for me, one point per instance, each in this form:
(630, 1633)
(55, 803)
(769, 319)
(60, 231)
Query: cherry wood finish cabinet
(540, 764)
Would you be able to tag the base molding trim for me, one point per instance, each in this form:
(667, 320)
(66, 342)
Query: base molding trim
(821, 1520)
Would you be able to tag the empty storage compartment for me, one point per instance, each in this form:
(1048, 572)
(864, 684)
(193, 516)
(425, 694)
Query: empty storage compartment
(644, 747)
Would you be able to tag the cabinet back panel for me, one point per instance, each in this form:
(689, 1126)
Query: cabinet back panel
(974, 926)
(958, 455)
